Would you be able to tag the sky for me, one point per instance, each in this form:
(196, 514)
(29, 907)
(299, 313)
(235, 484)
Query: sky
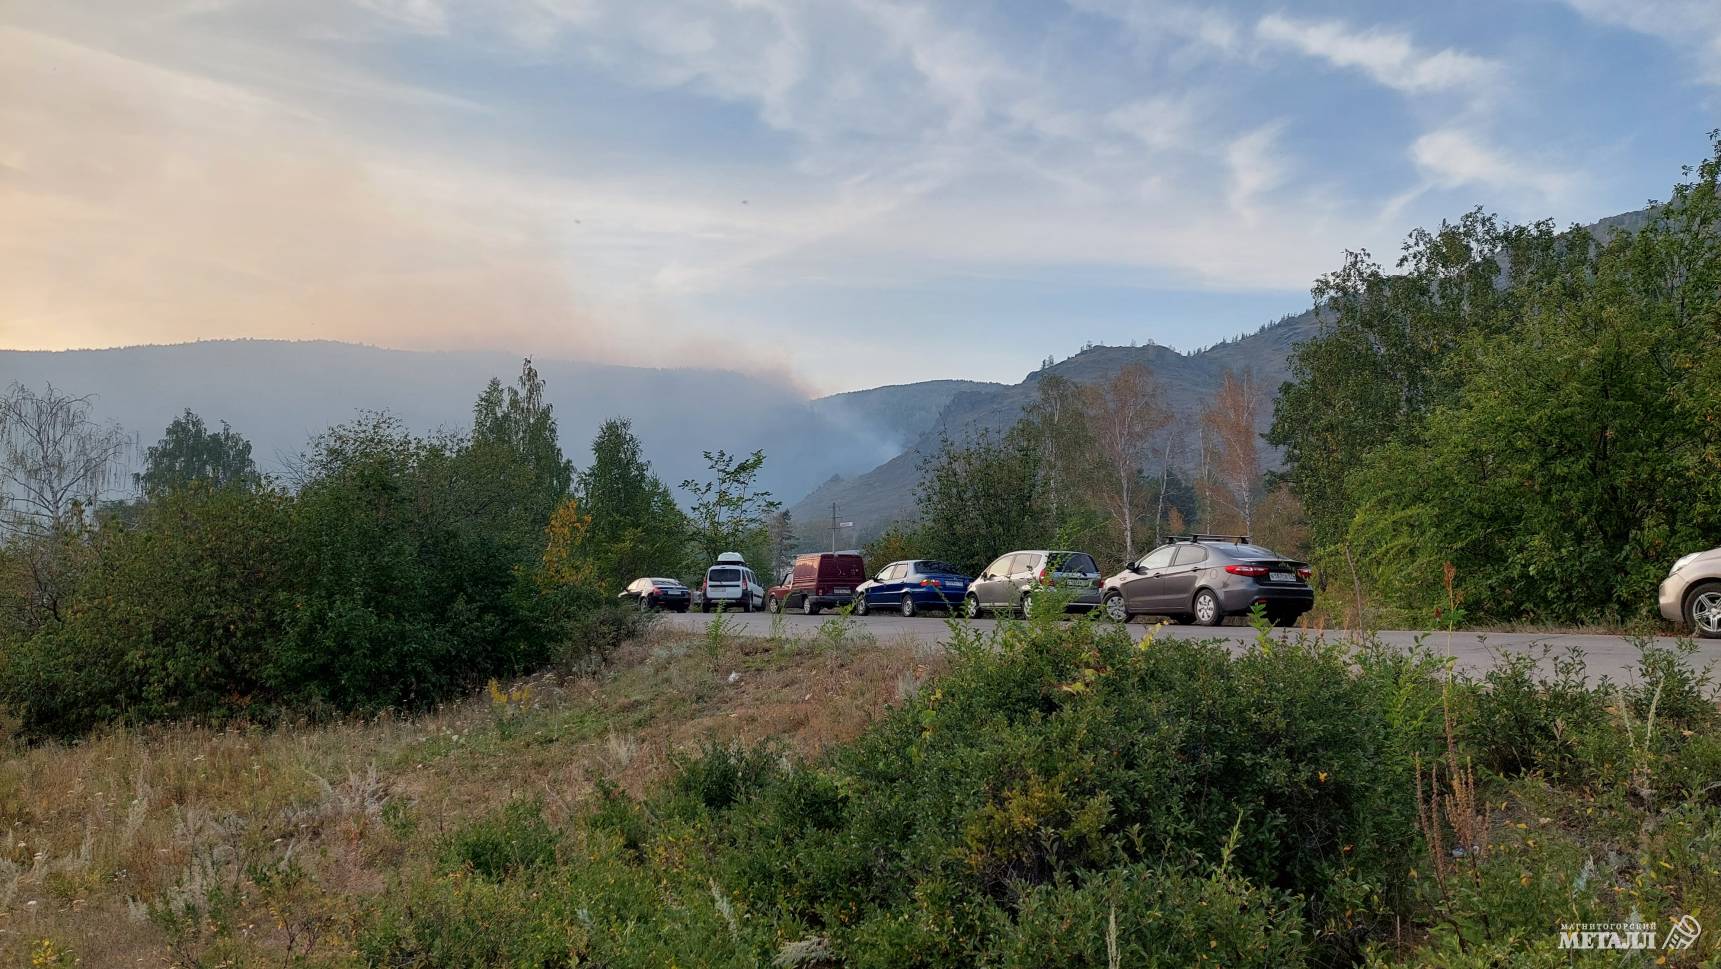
(850, 192)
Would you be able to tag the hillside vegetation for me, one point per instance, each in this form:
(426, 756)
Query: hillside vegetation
(1533, 409)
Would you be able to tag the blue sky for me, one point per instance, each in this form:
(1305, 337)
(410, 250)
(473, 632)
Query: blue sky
(854, 192)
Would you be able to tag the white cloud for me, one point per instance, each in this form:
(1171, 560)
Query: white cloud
(1454, 158)
(1388, 57)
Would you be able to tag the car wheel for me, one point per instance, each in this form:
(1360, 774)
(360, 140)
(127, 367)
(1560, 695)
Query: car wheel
(1027, 605)
(1703, 610)
(705, 607)
(807, 606)
(1115, 610)
(971, 606)
(860, 605)
(907, 606)
(1207, 611)
(1285, 621)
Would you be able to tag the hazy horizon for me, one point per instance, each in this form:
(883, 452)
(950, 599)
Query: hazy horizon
(848, 194)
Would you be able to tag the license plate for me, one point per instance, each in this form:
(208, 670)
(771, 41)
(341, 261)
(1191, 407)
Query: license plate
(842, 592)
(1282, 577)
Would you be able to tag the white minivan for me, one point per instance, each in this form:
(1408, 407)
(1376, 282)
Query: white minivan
(730, 584)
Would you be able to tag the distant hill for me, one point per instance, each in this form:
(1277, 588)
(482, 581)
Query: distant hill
(899, 412)
(885, 494)
(281, 393)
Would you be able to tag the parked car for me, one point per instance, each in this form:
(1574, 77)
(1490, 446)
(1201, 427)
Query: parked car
(819, 580)
(912, 585)
(1204, 578)
(1008, 583)
(657, 593)
(730, 584)
(1691, 593)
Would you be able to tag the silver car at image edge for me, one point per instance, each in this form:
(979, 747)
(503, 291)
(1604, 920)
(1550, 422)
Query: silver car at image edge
(1691, 593)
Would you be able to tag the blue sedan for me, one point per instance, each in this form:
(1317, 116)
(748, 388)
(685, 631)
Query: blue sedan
(912, 585)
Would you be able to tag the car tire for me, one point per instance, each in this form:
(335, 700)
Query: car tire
(907, 608)
(1114, 608)
(1027, 606)
(774, 604)
(1703, 610)
(971, 606)
(705, 607)
(860, 605)
(808, 607)
(1207, 610)
(1286, 621)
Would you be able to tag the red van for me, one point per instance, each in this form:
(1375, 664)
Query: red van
(818, 581)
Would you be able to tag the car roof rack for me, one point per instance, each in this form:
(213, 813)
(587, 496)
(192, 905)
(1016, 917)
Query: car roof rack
(1203, 537)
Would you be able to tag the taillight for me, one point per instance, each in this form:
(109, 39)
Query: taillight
(927, 582)
(1255, 571)
(1044, 578)
(1303, 572)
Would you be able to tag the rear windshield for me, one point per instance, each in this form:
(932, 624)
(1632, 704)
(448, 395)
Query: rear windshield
(723, 575)
(665, 583)
(846, 565)
(934, 567)
(1073, 562)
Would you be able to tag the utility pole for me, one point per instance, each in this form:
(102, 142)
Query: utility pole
(837, 526)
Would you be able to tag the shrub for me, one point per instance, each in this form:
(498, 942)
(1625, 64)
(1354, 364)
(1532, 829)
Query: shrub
(515, 840)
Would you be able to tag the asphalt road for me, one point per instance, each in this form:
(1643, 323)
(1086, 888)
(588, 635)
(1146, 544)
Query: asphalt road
(1614, 657)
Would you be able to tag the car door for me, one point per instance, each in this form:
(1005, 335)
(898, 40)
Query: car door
(878, 590)
(989, 588)
(1176, 588)
(1024, 571)
(1140, 589)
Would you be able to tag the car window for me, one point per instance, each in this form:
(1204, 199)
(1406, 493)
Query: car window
(1000, 565)
(1190, 555)
(1159, 558)
(898, 571)
(1075, 562)
(723, 575)
(935, 567)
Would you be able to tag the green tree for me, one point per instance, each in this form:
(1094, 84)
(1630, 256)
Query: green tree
(1391, 347)
(1579, 455)
(519, 424)
(636, 528)
(984, 497)
(189, 451)
(729, 511)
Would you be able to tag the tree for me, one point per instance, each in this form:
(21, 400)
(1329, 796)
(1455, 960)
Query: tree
(1123, 414)
(729, 511)
(55, 458)
(984, 497)
(635, 527)
(782, 534)
(188, 452)
(521, 423)
(1230, 422)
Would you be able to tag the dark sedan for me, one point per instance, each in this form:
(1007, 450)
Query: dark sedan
(1204, 578)
(911, 585)
(653, 593)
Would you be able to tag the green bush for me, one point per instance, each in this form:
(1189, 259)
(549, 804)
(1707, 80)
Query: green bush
(514, 841)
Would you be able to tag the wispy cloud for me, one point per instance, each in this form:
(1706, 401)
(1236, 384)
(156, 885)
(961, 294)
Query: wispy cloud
(1390, 58)
(1454, 157)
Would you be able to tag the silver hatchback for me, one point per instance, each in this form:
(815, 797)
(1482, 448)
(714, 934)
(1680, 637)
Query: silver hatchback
(1691, 593)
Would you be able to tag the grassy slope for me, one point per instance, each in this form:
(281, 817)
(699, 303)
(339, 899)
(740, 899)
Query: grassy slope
(141, 815)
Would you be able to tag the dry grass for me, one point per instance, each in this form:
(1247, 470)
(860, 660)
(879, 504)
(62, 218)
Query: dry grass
(110, 841)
